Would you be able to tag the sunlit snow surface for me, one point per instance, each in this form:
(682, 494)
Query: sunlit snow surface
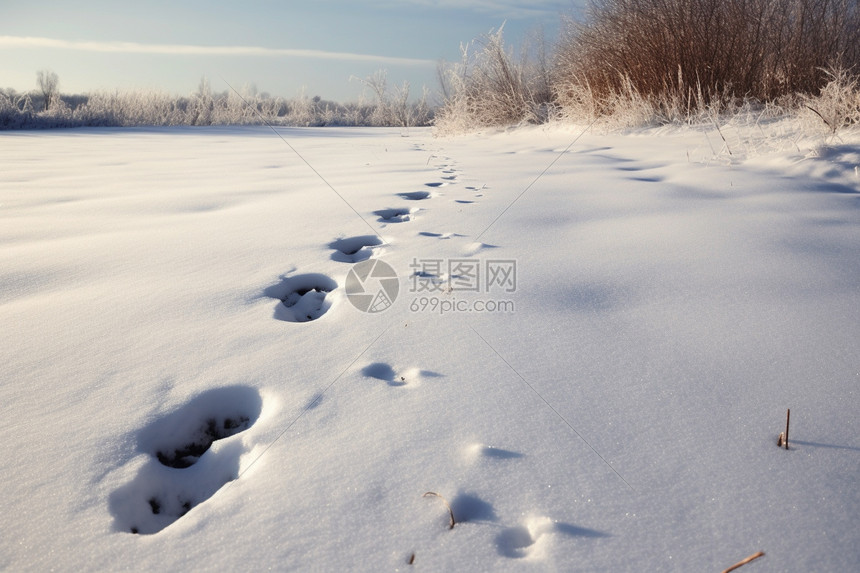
(181, 357)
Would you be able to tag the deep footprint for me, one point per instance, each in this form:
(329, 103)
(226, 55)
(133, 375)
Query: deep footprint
(213, 430)
(396, 215)
(415, 195)
(184, 469)
(303, 297)
(354, 249)
(468, 507)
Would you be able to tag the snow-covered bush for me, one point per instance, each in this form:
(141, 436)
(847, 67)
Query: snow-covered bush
(392, 107)
(16, 111)
(838, 103)
(491, 87)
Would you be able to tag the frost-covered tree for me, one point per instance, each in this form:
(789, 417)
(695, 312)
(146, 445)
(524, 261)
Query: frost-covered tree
(49, 85)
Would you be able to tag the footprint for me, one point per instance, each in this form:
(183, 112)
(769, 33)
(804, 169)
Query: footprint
(198, 442)
(185, 466)
(465, 508)
(435, 184)
(518, 541)
(428, 280)
(463, 201)
(354, 249)
(415, 195)
(303, 297)
(468, 507)
(483, 451)
(473, 249)
(646, 179)
(396, 215)
(527, 540)
(440, 235)
(633, 168)
(449, 177)
(595, 150)
(385, 372)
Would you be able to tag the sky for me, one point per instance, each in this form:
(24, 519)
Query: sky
(284, 48)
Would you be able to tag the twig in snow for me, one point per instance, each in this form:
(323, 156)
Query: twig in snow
(830, 125)
(720, 131)
(745, 561)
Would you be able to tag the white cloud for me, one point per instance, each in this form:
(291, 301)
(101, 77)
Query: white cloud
(190, 50)
(513, 9)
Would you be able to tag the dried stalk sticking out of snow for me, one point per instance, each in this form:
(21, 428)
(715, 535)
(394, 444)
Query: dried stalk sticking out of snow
(745, 561)
(783, 436)
(448, 505)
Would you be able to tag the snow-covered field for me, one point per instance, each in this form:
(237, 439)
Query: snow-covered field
(594, 380)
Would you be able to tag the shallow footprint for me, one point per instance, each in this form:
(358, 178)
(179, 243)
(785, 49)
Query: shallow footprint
(386, 373)
(303, 297)
(473, 249)
(647, 179)
(477, 451)
(528, 540)
(440, 235)
(354, 249)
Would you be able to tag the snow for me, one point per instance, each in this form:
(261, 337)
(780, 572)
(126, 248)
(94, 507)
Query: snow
(162, 290)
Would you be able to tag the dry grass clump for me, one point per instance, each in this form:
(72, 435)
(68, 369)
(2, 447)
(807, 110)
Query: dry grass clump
(640, 62)
(683, 56)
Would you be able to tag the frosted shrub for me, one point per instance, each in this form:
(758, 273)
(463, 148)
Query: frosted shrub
(15, 111)
(392, 107)
(489, 87)
(838, 103)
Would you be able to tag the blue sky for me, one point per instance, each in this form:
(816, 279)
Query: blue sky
(278, 46)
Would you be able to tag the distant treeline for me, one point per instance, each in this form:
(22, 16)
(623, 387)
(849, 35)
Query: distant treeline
(48, 108)
(625, 63)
